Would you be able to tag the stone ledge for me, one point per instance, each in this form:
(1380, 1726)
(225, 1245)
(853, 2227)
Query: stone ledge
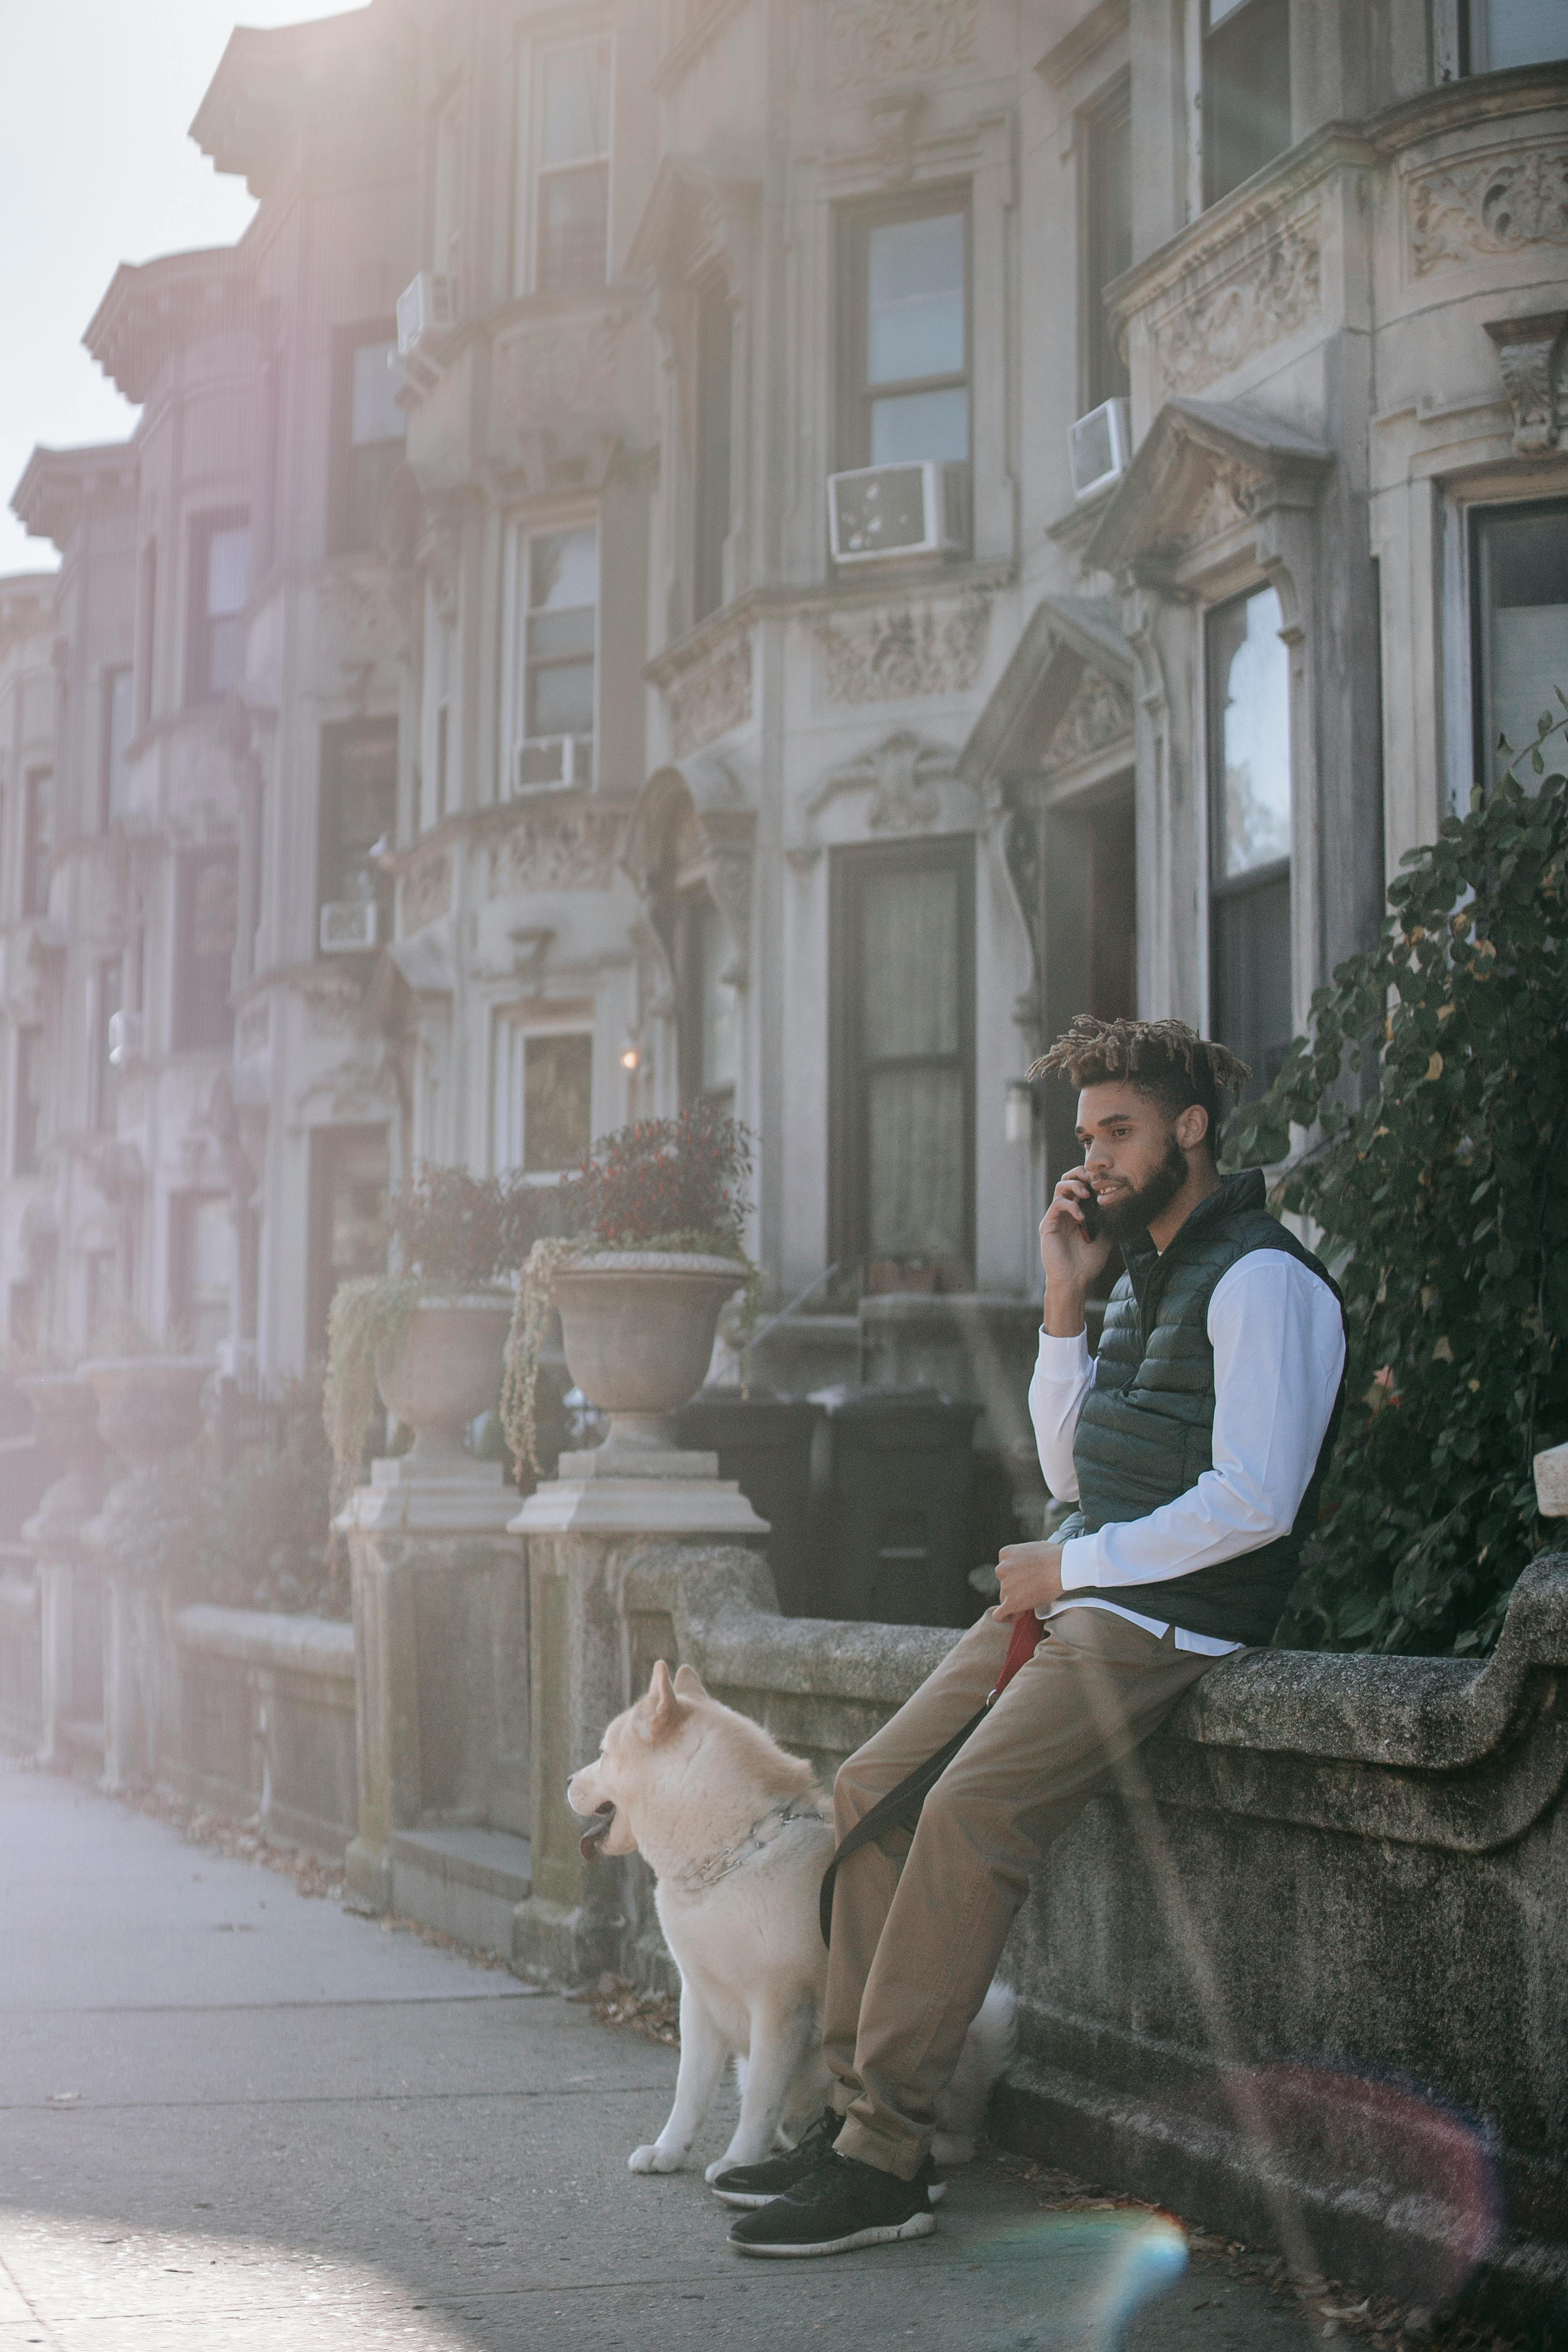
(311, 1646)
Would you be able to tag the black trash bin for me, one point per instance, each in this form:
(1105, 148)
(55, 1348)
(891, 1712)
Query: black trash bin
(896, 1513)
(763, 1442)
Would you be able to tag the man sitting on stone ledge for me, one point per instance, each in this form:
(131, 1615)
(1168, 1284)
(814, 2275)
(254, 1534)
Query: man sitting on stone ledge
(1195, 1446)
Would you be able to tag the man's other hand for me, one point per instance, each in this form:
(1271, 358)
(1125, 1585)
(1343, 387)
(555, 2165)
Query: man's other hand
(1030, 1575)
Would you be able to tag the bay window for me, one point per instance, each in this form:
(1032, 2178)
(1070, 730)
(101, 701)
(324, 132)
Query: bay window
(370, 447)
(1248, 698)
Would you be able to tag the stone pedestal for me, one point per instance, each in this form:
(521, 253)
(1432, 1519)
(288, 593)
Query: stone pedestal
(440, 1658)
(582, 1529)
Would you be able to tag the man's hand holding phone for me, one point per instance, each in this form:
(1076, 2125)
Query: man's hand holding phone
(1072, 1251)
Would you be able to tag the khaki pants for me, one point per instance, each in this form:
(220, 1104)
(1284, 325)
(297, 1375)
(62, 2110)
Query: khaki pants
(919, 1926)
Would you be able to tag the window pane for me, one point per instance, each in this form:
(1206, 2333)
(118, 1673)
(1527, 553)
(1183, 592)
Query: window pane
(225, 654)
(573, 224)
(564, 568)
(577, 103)
(228, 570)
(1247, 93)
(1523, 32)
(557, 1110)
(561, 699)
(914, 324)
(376, 415)
(920, 425)
(370, 469)
(1250, 980)
(121, 709)
(915, 1155)
(1254, 697)
(205, 1277)
(718, 1003)
(561, 636)
(1523, 585)
(909, 969)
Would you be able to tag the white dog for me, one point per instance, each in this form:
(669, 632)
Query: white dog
(738, 1834)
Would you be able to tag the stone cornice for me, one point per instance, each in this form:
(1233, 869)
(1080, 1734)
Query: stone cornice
(816, 598)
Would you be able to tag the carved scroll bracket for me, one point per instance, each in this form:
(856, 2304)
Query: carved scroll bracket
(1531, 355)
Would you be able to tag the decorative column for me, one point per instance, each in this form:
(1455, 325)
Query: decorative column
(439, 1606)
(65, 1413)
(149, 1410)
(582, 1531)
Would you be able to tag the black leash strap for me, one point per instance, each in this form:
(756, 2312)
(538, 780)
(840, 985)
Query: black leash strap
(899, 1809)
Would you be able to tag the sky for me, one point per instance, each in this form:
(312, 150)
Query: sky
(96, 167)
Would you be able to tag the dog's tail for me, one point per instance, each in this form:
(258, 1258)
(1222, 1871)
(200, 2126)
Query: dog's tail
(988, 2049)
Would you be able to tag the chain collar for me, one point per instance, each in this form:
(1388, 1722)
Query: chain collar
(761, 1835)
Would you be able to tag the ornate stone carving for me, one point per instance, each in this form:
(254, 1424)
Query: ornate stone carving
(1498, 203)
(369, 610)
(331, 1000)
(1206, 334)
(903, 650)
(1529, 353)
(425, 892)
(563, 849)
(875, 40)
(1225, 502)
(711, 699)
(1100, 712)
(554, 372)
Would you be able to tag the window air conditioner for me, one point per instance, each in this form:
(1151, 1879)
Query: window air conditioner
(1100, 446)
(348, 924)
(427, 306)
(555, 760)
(881, 510)
(126, 1032)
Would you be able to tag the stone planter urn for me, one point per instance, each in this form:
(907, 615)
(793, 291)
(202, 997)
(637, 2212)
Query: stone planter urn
(149, 1408)
(446, 1372)
(637, 1328)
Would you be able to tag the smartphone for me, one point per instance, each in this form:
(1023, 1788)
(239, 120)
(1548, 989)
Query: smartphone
(1090, 1206)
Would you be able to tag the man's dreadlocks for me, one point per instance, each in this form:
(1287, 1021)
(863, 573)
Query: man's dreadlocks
(1164, 1059)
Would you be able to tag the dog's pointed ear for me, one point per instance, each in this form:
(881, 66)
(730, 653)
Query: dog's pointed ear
(665, 1709)
(689, 1683)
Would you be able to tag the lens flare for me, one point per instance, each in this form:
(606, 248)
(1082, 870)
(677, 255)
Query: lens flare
(1084, 2277)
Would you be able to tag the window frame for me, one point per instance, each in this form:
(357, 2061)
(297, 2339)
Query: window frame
(1103, 374)
(194, 1027)
(37, 838)
(345, 536)
(334, 745)
(1213, 40)
(27, 1100)
(528, 274)
(515, 1027)
(1223, 890)
(112, 675)
(848, 1202)
(519, 669)
(1477, 518)
(203, 529)
(856, 220)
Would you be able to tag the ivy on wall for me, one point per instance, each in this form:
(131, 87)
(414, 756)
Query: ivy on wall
(1433, 1084)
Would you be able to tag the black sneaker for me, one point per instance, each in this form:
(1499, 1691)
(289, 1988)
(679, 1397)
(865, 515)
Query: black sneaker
(843, 2204)
(751, 2185)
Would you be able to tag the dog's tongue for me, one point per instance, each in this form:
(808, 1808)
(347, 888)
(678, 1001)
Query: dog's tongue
(597, 1831)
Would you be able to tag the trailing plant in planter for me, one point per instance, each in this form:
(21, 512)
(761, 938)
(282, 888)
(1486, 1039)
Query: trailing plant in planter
(660, 1187)
(455, 1238)
(1439, 1179)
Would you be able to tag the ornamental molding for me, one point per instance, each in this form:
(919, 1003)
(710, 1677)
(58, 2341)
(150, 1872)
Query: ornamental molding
(1204, 335)
(871, 41)
(693, 828)
(332, 1002)
(1100, 712)
(425, 893)
(897, 652)
(557, 370)
(1529, 354)
(1485, 208)
(711, 699)
(904, 774)
(567, 849)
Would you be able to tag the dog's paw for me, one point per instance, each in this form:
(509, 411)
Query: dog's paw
(654, 2158)
(720, 2164)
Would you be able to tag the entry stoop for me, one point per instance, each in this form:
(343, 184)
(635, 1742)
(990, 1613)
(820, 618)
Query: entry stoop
(465, 1882)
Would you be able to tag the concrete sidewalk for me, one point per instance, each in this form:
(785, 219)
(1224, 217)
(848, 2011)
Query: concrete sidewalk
(232, 2118)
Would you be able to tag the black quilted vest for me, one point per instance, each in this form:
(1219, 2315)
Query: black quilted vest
(1143, 1435)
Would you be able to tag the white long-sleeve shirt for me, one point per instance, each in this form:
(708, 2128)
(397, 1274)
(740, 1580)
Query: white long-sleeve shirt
(1279, 1354)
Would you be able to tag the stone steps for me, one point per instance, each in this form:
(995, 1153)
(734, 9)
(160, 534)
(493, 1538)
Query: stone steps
(465, 1881)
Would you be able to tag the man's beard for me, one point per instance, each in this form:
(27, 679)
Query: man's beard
(1126, 1216)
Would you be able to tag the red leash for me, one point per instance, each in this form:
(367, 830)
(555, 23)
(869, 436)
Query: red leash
(1025, 1641)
